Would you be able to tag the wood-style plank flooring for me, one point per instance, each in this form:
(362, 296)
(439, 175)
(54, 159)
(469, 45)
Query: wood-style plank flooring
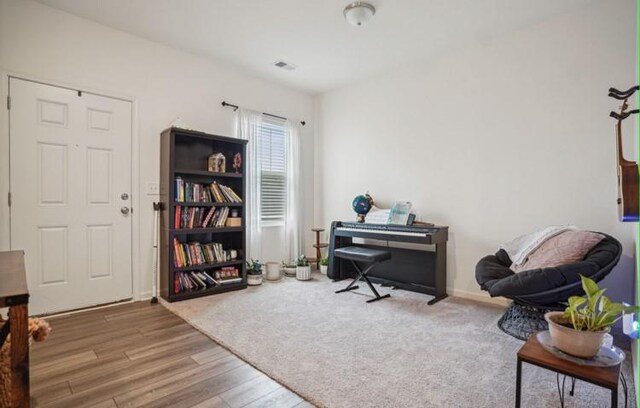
(142, 355)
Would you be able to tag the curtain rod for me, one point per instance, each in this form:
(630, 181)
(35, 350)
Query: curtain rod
(235, 108)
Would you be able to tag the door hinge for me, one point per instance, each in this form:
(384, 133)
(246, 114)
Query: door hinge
(9, 199)
(8, 102)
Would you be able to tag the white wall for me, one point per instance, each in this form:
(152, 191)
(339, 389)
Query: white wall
(494, 140)
(43, 43)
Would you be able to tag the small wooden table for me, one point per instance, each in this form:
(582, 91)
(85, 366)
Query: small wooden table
(532, 352)
(15, 295)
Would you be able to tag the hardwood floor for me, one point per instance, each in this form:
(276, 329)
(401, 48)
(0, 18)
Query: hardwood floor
(142, 355)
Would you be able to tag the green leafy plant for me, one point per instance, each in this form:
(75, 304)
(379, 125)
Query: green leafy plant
(254, 267)
(302, 261)
(324, 261)
(594, 311)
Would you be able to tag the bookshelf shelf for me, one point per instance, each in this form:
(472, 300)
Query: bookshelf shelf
(206, 292)
(190, 204)
(187, 172)
(183, 165)
(206, 266)
(183, 231)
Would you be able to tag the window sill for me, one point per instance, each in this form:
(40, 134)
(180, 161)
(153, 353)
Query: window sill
(275, 224)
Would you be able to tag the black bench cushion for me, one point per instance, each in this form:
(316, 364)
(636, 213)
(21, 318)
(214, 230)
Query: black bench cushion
(362, 254)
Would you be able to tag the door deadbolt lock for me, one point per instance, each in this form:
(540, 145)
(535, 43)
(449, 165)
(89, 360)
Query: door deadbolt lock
(124, 196)
(124, 210)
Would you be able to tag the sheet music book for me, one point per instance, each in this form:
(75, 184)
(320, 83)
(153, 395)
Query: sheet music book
(398, 214)
(400, 211)
(377, 216)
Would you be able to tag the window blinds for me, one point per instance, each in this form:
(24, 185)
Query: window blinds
(273, 181)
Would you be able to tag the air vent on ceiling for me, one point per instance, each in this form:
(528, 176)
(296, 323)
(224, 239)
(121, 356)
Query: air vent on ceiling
(285, 65)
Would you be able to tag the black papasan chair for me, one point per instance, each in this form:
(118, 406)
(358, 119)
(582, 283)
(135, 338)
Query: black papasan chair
(537, 291)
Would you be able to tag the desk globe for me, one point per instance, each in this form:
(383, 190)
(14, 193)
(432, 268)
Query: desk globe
(362, 205)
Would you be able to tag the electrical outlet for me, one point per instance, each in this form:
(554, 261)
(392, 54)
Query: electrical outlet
(153, 188)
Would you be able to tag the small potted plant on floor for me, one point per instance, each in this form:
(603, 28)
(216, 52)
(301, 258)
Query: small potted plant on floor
(289, 268)
(324, 264)
(303, 270)
(580, 329)
(254, 273)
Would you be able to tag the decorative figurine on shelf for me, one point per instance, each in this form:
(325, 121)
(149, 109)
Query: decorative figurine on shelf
(361, 205)
(217, 163)
(237, 162)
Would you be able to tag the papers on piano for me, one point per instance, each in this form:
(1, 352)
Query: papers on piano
(377, 216)
(398, 214)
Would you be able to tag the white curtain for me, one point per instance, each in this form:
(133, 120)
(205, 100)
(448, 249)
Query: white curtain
(248, 128)
(293, 222)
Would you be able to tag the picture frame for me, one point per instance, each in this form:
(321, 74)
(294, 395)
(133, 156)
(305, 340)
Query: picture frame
(217, 163)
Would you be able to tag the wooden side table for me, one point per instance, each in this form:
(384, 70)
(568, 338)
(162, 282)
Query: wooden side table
(318, 246)
(532, 352)
(15, 295)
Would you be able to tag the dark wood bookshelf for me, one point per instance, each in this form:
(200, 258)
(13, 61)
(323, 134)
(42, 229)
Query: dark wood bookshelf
(206, 266)
(184, 153)
(207, 173)
(205, 204)
(181, 231)
(209, 291)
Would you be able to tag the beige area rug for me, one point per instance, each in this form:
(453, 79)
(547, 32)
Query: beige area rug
(338, 351)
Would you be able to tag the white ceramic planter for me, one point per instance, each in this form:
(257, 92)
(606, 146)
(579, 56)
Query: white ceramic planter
(583, 344)
(290, 270)
(323, 269)
(254, 280)
(303, 273)
(273, 271)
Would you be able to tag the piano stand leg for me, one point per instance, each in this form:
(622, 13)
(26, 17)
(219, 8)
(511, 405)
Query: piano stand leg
(436, 299)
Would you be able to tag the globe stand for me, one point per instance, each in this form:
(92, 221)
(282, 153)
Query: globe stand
(360, 217)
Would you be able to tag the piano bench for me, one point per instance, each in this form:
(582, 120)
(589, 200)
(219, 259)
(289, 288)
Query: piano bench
(358, 254)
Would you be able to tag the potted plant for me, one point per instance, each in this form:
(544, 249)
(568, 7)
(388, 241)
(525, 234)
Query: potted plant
(324, 264)
(580, 329)
(289, 268)
(303, 270)
(254, 272)
(273, 271)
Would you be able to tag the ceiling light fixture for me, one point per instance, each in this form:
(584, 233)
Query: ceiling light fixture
(358, 13)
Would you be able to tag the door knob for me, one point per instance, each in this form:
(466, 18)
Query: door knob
(124, 196)
(124, 210)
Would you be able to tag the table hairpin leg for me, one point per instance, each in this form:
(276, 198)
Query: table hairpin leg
(561, 390)
(623, 381)
(624, 387)
(573, 386)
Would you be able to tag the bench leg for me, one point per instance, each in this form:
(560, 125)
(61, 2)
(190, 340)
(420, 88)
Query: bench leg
(373, 289)
(362, 274)
(350, 287)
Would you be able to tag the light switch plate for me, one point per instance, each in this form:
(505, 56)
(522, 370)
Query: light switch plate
(153, 188)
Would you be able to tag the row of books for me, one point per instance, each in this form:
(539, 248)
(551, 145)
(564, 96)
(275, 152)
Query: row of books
(200, 217)
(188, 192)
(195, 253)
(199, 280)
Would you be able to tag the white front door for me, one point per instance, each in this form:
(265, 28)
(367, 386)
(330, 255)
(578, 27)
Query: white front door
(70, 183)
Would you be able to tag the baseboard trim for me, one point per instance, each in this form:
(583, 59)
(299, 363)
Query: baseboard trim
(145, 295)
(479, 297)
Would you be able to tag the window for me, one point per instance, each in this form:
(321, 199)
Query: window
(273, 181)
